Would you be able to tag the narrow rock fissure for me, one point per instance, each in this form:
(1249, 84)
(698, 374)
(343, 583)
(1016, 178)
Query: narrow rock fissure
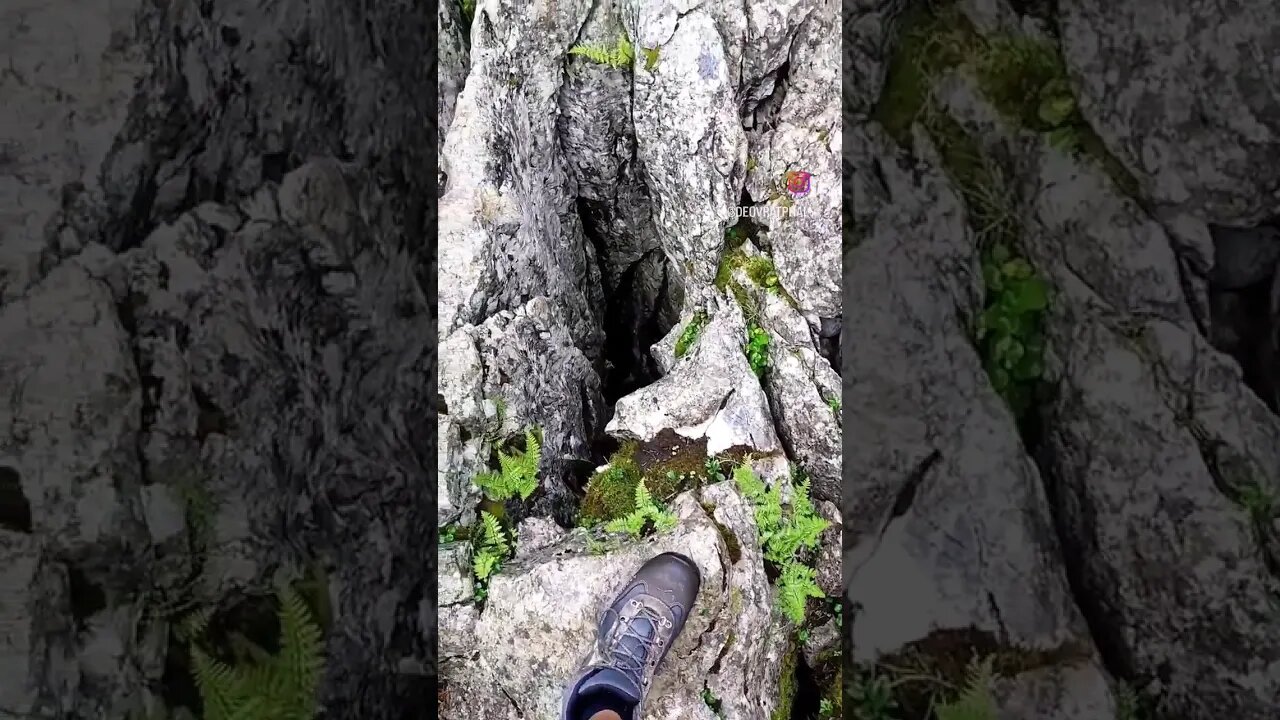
(633, 322)
(809, 691)
(1105, 633)
(1242, 326)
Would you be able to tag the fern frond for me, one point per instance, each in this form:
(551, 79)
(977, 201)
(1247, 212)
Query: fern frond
(664, 521)
(643, 498)
(219, 688)
(622, 54)
(494, 536)
(795, 586)
(194, 625)
(492, 485)
(749, 484)
(975, 701)
(484, 564)
(301, 655)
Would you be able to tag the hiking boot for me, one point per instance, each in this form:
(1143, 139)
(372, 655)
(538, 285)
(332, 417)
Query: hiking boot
(633, 637)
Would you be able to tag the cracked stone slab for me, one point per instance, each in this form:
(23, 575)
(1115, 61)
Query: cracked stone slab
(1149, 444)
(711, 392)
(552, 599)
(946, 524)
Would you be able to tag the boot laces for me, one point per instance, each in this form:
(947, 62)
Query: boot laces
(635, 650)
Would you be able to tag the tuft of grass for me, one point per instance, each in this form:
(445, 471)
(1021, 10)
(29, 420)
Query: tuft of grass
(764, 273)
(468, 11)
(834, 404)
(689, 336)
(619, 55)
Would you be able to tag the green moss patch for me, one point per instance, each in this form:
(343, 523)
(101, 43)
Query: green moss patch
(669, 464)
(611, 494)
(786, 682)
(1024, 78)
(689, 336)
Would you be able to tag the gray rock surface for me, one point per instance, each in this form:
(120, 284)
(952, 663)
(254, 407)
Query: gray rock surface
(1151, 444)
(946, 522)
(1151, 78)
(583, 229)
(711, 393)
(212, 281)
(804, 232)
(552, 598)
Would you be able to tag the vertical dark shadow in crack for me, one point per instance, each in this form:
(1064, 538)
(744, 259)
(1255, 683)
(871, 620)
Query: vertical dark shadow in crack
(638, 314)
(1074, 544)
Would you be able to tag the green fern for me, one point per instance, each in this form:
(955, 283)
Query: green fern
(518, 473)
(278, 687)
(975, 701)
(783, 534)
(646, 511)
(795, 586)
(621, 54)
(490, 549)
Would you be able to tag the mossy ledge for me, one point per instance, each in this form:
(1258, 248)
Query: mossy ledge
(1024, 78)
(668, 464)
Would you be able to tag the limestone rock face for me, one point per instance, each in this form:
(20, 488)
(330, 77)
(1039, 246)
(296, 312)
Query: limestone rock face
(1118, 522)
(1153, 78)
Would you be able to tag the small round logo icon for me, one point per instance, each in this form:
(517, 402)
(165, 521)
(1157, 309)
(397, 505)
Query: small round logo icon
(798, 183)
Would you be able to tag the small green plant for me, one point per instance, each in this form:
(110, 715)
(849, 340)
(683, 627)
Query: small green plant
(834, 404)
(752, 163)
(272, 687)
(783, 535)
(757, 350)
(1010, 329)
(489, 551)
(1128, 704)
(689, 336)
(837, 608)
(518, 473)
(646, 511)
(621, 54)
(715, 470)
(650, 58)
(711, 700)
(796, 585)
(872, 697)
(975, 701)
(468, 11)
(1260, 502)
(448, 534)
